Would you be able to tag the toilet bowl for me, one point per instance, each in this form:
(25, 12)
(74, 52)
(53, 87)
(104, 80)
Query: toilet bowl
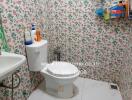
(59, 76)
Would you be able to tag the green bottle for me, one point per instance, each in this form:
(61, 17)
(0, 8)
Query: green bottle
(3, 45)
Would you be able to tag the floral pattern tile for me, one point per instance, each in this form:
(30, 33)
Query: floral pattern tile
(17, 14)
(100, 50)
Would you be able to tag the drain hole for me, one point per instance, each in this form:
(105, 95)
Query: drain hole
(114, 86)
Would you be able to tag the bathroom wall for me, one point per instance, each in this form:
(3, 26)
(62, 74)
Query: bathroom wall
(126, 82)
(101, 50)
(17, 14)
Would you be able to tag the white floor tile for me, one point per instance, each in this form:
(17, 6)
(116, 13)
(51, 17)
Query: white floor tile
(97, 90)
(86, 90)
(40, 94)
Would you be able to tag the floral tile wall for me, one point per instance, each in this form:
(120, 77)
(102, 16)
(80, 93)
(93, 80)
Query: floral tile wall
(100, 50)
(17, 14)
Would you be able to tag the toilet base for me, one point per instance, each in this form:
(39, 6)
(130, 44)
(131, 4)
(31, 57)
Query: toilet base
(59, 90)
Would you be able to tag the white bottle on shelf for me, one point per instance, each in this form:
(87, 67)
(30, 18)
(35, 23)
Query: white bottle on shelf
(33, 32)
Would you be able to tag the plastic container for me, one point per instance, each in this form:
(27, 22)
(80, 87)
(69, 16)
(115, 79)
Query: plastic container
(33, 32)
(28, 39)
(38, 36)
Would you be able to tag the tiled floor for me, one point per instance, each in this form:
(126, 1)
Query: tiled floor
(87, 90)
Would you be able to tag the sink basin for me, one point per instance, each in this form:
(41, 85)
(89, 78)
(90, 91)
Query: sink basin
(9, 63)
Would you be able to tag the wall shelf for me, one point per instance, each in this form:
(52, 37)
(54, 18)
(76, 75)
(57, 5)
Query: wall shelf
(114, 9)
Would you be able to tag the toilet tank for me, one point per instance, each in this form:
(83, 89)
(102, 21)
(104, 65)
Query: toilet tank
(37, 55)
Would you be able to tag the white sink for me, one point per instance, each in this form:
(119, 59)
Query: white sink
(9, 63)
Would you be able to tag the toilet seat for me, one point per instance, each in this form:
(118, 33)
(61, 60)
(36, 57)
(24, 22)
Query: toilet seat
(62, 69)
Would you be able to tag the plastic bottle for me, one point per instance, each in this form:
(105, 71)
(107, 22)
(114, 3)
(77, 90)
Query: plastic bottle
(99, 8)
(28, 39)
(33, 32)
(38, 35)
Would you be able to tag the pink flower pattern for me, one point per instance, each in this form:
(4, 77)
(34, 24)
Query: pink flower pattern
(101, 51)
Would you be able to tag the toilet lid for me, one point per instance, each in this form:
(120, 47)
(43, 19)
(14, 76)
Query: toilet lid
(62, 69)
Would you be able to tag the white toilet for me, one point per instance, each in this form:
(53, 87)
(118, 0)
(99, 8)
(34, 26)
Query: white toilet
(59, 76)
